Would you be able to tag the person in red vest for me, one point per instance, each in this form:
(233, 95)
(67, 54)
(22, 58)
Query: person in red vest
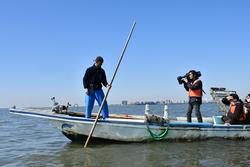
(193, 85)
(235, 114)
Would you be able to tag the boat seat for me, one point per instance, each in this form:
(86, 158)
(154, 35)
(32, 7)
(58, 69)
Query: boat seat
(217, 120)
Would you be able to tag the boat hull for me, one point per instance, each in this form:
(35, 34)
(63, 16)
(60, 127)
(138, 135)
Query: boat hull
(114, 132)
(135, 130)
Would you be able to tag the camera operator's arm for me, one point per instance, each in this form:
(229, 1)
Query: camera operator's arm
(185, 81)
(225, 101)
(186, 87)
(195, 86)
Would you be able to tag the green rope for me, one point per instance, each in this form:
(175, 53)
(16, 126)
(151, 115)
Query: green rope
(157, 137)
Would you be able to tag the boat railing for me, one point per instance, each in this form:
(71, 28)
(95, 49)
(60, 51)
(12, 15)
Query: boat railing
(218, 94)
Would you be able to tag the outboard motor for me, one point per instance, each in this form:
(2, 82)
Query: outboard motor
(59, 109)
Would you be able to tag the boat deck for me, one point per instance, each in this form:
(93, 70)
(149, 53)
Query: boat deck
(120, 119)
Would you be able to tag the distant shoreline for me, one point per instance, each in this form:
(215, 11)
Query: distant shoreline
(7, 108)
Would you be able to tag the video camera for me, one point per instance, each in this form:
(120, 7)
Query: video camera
(179, 78)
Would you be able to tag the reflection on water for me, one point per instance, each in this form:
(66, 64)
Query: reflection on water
(204, 153)
(27, 141)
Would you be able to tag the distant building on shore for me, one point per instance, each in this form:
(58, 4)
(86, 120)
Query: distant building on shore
(151, 102)
(162, 102)
(124, 102)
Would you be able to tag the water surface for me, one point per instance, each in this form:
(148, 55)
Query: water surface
(28, 141)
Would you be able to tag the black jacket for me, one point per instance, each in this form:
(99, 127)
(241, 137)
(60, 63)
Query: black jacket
(94, 78)
(196, 86)
(247, 106)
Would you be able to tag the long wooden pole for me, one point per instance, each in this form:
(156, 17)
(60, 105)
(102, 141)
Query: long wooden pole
(107, 93)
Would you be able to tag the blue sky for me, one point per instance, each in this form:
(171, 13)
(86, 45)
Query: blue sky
(46, 46)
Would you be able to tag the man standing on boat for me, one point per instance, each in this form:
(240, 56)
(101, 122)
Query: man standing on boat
(193, 85)
(93, 80)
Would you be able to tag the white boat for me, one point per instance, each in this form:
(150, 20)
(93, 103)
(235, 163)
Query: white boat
(131, 128)
(128, 128)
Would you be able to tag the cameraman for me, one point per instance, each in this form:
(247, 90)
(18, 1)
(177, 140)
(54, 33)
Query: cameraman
(194, 87)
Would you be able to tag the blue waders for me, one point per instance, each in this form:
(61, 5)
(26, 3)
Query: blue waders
(97, 95)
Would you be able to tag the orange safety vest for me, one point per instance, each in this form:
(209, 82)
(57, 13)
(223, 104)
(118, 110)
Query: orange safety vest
(242, 115)
(195, 93)
(232, 108)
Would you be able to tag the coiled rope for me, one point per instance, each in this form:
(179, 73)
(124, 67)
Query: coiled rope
(157, 137)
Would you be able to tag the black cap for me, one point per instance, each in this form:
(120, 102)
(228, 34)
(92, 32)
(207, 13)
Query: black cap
(235, 96)
(99, 58)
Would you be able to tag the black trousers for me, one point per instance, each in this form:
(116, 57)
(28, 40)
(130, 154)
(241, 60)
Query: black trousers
(196, 107)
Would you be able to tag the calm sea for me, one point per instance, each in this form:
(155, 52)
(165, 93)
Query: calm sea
(27, 141)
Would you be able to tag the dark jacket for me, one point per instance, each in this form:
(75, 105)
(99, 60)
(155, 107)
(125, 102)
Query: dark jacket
(94, 78)
(196, 86)
(234, 118)
(247, 107)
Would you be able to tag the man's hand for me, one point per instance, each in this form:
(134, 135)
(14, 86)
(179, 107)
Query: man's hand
(185, 80)
(86, 91)
(108, 86)
(229, 98)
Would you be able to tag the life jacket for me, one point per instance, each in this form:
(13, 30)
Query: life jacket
(195, 93)
(243, 116)
(232, 108)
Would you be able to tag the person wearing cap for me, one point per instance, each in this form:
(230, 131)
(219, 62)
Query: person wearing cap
(235, 115)
(93, 81)
(193, 86)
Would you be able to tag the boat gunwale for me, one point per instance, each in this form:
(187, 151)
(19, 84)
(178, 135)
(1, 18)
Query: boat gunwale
(201, 126)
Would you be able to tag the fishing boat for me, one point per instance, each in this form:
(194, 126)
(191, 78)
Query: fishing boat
(132, 128)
